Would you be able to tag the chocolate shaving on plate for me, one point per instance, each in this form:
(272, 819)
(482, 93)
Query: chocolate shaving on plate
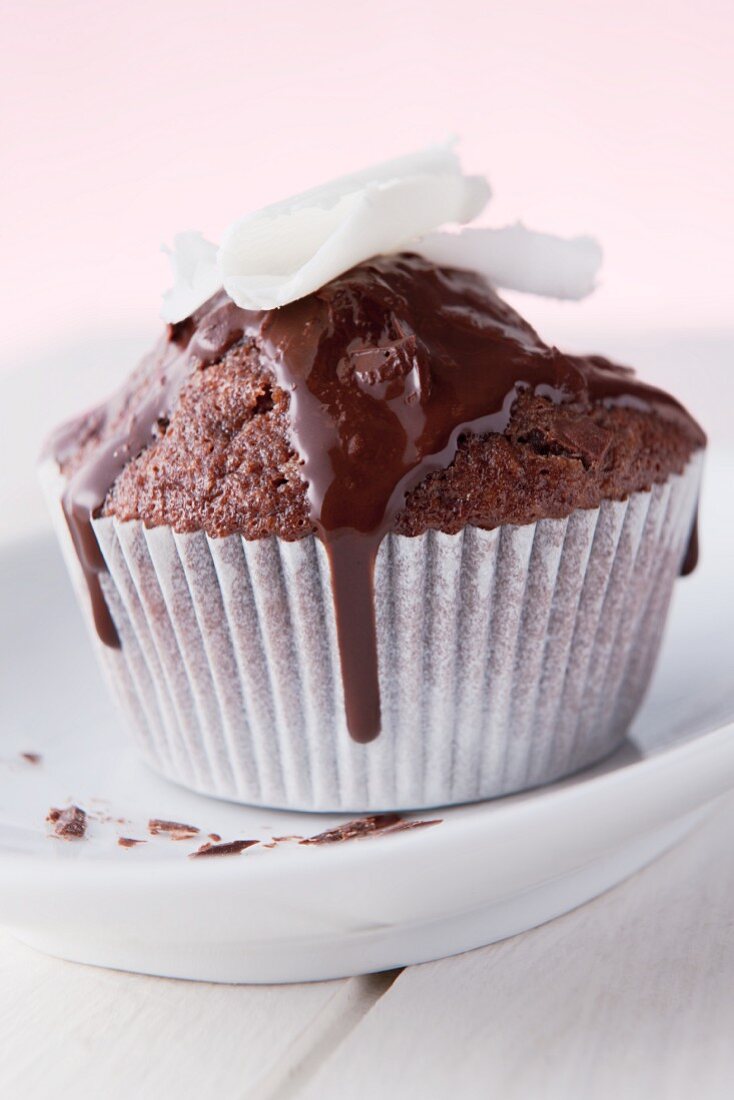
(403, 826)
(374, 825)
(69, 823)
(230, 848)
(177, 830)
(129, 842)
(32, 757)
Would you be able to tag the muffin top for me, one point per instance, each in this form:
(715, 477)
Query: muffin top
(400, 396)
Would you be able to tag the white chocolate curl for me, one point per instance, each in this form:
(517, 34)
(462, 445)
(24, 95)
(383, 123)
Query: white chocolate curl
(285, 251)
(291, 248)
(195, 272)
(516, 258)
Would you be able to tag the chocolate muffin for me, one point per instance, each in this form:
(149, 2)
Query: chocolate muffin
(380, 548)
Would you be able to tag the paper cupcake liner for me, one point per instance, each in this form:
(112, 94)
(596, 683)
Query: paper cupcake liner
(507, 658)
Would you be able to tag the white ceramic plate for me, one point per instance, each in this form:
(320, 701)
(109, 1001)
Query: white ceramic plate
(296, 912)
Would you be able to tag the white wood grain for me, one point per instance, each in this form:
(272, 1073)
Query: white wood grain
(69, 1030)
(631, 996)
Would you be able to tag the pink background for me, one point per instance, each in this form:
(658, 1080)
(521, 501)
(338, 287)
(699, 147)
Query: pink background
(124, 122)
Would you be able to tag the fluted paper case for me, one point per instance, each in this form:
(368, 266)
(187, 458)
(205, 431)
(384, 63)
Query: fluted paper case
(507, 658)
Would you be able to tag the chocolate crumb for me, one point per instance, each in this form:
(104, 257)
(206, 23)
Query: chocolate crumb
(69, 823)
(129, 841)
(271, 845)
(177, 830)
(214, 836)
(295, 836)
(231, 848)
(374, 825)
(32, 757)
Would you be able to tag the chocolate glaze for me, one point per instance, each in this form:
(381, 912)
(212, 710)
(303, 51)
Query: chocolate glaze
(690, 558)
(386, 367)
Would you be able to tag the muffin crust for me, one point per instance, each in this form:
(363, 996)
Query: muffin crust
(224, 462)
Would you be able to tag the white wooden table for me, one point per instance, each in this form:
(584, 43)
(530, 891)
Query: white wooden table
(631, 996)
